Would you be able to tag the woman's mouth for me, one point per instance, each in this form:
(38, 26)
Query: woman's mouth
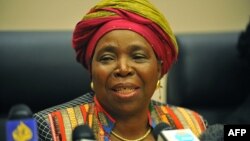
(125, 91)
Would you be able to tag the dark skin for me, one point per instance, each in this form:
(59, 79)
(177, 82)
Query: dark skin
(125, 72)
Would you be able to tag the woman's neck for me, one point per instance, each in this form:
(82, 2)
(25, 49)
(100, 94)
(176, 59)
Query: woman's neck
(129, 125)
(132, 126)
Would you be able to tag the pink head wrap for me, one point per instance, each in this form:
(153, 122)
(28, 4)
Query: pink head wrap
(88, 32)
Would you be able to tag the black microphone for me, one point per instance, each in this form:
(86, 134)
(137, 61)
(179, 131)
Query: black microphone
(163, 132)
(160, 127)
(21, 125)
(83, 133)
(213, 133)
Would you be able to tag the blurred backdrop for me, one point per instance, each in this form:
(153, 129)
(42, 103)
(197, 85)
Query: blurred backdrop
(192, 16)
(183, 16)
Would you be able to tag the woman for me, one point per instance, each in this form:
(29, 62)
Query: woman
(127, 46)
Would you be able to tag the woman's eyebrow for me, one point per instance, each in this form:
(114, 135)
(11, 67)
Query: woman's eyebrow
(138, 48)
(108, 48)
(114, 49)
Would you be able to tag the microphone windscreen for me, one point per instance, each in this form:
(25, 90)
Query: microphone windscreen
(160, 127)
(213, 133)
(21, 125)
(83, 132)
(19, 111)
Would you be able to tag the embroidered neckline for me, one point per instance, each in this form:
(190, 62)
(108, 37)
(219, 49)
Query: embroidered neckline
(107, 121)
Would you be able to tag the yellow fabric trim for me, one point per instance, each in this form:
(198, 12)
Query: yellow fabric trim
(164, 110)
(78, 115)
(180, 117)
(95, 126)
(67, 125)
(90, 120)
(164, 117)
(90, 115)
(101, 132)
(188, 120)
(72, 117)
(195, 123)
(86, 107)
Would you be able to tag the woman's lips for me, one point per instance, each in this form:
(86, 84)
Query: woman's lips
(125, 90)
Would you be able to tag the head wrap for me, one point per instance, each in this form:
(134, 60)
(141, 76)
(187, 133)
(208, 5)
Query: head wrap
(136, 15)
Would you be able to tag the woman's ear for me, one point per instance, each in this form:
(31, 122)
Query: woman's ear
(159, 67)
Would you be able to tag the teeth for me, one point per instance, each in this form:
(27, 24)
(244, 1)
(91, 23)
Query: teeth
(124, 90)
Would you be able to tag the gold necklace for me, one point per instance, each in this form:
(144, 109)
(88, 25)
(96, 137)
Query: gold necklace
(139, 139)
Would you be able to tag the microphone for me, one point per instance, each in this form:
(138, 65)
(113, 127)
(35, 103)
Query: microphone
(160, 127)
(83, 133)
(163, 132)
(213, 133)
(20, 125)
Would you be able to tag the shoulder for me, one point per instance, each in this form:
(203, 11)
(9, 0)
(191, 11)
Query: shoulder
(180, 117)
(43, 116)
(86, 98)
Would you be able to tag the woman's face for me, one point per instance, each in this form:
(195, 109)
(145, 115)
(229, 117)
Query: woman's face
(125, 71)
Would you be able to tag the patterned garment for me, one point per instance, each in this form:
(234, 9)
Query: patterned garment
(58, 122)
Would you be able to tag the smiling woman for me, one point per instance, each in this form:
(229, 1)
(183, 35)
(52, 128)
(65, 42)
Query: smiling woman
(127, 46)
(121, 66)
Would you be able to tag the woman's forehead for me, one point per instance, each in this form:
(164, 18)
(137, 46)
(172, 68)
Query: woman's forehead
(123, 38)
(123, 32)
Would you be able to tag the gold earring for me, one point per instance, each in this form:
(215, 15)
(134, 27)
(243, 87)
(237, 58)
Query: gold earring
(159, 86)
(92, 85)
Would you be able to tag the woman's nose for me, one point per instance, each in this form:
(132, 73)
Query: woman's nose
(123, 68)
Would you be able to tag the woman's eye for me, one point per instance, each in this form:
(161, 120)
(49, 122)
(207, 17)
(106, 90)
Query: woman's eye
(140, 57)
(106, 58)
